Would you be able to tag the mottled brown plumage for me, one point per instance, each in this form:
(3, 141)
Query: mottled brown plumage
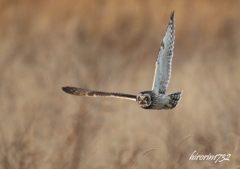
(156, 98)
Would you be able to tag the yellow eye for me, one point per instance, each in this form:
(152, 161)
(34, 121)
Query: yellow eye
(139, 98)
(145, 98)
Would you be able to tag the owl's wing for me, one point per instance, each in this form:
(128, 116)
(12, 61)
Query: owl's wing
(91, 93)
(164, 60)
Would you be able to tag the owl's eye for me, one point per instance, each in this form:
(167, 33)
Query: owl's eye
(139, 98)
(146, 98)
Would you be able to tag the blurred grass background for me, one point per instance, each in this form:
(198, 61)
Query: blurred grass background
(112, 46)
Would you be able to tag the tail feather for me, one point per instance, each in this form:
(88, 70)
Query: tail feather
(174, 100)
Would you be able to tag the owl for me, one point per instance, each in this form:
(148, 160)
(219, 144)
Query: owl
(156, 98)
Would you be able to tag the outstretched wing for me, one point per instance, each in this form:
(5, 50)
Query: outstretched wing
(91, 93)
(164, 60)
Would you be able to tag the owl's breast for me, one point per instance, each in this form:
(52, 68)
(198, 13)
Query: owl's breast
(158, 101)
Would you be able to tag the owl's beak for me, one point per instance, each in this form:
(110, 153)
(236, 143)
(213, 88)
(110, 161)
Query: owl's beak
(142, 102)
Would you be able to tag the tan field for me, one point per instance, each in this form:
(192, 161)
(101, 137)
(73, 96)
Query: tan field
(112, 45)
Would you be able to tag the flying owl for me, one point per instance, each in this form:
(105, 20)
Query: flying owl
(155, 98)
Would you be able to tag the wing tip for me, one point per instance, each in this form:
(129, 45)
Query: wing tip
(67, 89)
(64, 88)
(172, 16)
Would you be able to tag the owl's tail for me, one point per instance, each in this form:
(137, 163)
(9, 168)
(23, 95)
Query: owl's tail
(174, 99)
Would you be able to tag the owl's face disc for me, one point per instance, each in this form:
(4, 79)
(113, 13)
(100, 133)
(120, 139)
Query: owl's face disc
(144, 100)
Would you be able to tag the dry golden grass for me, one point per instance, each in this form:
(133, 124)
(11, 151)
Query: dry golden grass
(112, 46)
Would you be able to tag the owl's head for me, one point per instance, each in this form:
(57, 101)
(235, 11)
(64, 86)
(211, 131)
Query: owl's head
(144, 100)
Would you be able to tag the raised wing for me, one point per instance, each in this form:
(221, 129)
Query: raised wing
(164, 61)
(91, 93)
